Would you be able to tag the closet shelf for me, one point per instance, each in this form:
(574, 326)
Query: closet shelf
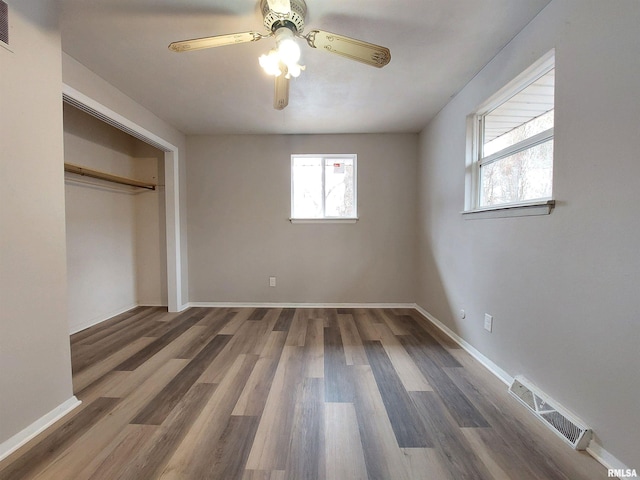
(88, 172)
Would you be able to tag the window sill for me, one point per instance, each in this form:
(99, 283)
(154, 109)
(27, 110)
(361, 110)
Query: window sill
(323, 220)
(543, 207)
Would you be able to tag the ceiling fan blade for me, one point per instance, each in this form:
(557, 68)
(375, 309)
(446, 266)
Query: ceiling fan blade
(216, 41)
(280, 6)
(364, 52)
(281, 97)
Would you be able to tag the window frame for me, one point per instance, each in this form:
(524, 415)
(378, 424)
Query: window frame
(475, 142)
(326, 219)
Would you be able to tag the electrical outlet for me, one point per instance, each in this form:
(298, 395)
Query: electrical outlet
(488, 322)
(463, 314)
(272, 281)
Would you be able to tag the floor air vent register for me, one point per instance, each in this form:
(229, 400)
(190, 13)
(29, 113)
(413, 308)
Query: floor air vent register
(565, 425)
(4, 23)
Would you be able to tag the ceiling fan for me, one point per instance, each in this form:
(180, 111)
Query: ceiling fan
(284, 20)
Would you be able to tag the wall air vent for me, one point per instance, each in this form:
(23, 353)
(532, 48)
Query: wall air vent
(4, 23)
(564, 424)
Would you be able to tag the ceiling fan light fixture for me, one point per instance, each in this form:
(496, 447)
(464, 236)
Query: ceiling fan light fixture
(295, 70)
(284, 21)
(284, 57)
(270, 63)
(288, 49)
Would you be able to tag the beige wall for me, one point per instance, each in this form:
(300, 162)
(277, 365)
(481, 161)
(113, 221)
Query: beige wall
(115, 235)
(35, 372)
(151, 235)
(562, 288)
(239, 233)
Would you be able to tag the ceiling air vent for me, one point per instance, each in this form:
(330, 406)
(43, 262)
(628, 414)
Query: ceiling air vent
(564, 424)
(4, 22)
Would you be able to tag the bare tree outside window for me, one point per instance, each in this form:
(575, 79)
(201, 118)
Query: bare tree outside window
(339, 188)
(525, 175)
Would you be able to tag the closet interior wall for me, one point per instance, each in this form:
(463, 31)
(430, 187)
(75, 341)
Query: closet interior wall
(116, 246)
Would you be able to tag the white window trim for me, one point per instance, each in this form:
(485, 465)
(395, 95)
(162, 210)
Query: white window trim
(473, 161)
(521, 209)
(324, 220)
(352, 219)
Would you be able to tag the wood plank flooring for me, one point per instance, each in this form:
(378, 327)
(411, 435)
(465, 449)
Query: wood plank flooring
(247, 394)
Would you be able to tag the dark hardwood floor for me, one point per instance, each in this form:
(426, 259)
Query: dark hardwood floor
(243, 393)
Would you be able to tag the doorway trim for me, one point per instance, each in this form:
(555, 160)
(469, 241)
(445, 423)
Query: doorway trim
(172, 181)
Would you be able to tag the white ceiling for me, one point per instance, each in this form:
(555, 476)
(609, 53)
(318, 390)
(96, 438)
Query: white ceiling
(436, 46)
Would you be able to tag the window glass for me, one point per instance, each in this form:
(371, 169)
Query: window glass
(339, 194)
(307, 187)
(323, 186)
(527, 113)
(526, 175)
(518, 134)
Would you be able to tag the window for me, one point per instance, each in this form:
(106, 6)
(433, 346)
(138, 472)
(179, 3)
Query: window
(512, 142)
(323, 187)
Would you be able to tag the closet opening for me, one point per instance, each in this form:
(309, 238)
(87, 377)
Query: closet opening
(122, 215)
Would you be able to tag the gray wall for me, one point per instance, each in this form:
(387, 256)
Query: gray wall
(35, 372)
(563, 288)
(239, 194)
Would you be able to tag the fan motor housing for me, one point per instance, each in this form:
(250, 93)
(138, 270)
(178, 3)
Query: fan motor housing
(294, 20)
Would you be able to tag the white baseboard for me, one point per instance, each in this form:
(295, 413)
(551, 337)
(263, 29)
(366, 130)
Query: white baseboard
(183, 307)
(119, 311)
(604, 457)
(488, 364)
(299, 305)
(594, 449)
(19, 439)
(99, 319)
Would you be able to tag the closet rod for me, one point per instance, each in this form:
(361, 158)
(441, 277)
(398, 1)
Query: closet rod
(87, 172)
